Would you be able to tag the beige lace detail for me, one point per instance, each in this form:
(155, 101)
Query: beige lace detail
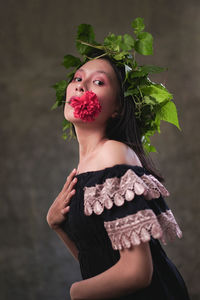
(117, 190)
(169, 226)
(155, 188)
(136, 228)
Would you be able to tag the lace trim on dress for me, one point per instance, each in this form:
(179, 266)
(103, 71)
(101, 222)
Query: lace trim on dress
(169, 226)
(117, 190)
(136, 228)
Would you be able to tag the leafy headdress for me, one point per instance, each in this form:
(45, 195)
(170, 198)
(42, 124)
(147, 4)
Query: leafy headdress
(153, 102)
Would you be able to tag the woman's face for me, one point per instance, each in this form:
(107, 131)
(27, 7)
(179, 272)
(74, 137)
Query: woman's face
(99, 77)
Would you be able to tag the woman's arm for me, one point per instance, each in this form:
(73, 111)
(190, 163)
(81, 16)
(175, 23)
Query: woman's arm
(132, 272)
(58, 210)
(70, 245)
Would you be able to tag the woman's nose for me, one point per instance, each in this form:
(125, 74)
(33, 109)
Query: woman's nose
(80, 87)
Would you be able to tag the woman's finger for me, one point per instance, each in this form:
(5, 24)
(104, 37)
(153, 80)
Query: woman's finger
(65, 210)
(68, 196)
(69, 179)
(71, 185)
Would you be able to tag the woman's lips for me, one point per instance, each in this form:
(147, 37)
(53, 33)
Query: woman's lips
(71, 99)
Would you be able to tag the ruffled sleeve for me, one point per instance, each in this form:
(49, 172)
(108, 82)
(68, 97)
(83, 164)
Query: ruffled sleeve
(131, 203)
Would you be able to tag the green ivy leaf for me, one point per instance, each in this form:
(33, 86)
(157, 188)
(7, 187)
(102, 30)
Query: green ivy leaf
(60, 85)
(64, 136)
(120, 55)
(147, 143)
(60, 88)
(71, 61)
(127, 43)
(146, 70)
(71, 75)
(128, 93)
(138, 73)
(149, 148)
(131, 92)
(158, 92)
(65, 124)
(138, 25)
(55, 105)
(149, 69)
(168, 113)
(155, 124)
(148, 100)
(113, 42)
(67, 130)
(144, 43)
(86, 34)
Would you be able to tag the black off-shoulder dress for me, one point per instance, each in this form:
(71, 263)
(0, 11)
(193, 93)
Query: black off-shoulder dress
(120, 207)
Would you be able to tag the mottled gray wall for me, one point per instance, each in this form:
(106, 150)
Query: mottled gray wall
(34, 37)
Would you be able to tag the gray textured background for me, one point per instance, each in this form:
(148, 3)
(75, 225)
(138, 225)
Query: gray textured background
(34, 37)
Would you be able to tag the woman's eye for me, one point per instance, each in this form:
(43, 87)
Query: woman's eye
(98, 82)
(77, 79)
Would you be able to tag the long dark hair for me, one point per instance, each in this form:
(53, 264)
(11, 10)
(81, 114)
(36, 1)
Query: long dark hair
(124, 127)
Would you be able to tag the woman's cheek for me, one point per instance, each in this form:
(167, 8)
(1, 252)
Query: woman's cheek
(68, 91)
(108, 104)
(68, 112)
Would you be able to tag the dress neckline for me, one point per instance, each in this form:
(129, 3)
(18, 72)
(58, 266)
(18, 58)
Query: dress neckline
(108, 168)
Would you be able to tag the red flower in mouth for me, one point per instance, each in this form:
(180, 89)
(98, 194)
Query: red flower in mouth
(86, 107)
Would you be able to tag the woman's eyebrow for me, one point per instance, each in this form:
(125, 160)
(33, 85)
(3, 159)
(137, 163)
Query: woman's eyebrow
(80, 70)
(98, 71)
(103, 72)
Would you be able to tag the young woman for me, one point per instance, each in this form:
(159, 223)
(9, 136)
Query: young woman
(111, 212)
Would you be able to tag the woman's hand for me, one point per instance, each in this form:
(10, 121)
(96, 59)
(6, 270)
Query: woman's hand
(60, 207)
(72, 291)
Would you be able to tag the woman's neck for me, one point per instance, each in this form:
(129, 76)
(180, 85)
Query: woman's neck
(89, 141)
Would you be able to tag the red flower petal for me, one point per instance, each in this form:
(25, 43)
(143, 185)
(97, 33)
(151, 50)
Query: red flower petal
(86, 107)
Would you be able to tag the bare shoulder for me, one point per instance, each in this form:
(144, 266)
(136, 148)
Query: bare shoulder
(113, 152)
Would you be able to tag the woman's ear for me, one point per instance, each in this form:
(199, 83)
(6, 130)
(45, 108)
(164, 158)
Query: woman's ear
(115, 114)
